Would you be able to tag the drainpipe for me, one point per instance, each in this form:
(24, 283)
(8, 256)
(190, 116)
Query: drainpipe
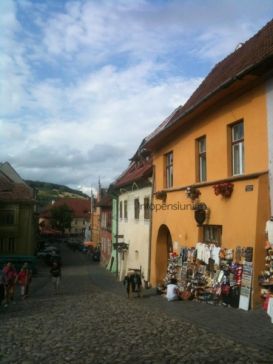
(150, 227)
(269, 101)
(116, 232)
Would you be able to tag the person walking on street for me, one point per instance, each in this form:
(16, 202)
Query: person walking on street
(56, 274)
(10, 278)
(28, 278)
(22, 280)
(2, 287)
(132, 282)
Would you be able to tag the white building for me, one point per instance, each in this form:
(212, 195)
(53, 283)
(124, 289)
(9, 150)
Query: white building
(134, 189)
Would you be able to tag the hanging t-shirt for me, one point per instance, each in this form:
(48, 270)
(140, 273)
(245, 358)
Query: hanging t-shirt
(215, 254)
(199, 248)
(206, 254)
(269, 231)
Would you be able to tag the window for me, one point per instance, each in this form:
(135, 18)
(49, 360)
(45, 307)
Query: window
(136, 203)
(7, 217)
(7, 245)
(212, 234)
(202, 159)
(120, 209)
(169, 169)
(237, 139)
(2, 245)
(146, 208)
(11, 245)
(125, 210)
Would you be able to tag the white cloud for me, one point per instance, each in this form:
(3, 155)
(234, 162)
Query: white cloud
(85, 81)
(142, 29)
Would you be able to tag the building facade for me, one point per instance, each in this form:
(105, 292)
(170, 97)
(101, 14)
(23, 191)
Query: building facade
(214, 155)
(112, 265)
(105, 205)
(80, 210)
(18, 221)
(134, 190)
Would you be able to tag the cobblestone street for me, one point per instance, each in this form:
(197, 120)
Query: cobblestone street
(92, 321)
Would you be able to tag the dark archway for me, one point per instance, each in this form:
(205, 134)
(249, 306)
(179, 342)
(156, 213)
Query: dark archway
(164, 246)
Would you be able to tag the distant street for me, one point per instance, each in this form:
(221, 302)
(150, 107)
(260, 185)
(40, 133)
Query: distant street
(92, 321)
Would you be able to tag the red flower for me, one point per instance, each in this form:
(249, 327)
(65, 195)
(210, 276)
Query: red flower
(225, 189)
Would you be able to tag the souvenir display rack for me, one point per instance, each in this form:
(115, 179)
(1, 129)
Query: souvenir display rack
(266, 276)
(200, 278)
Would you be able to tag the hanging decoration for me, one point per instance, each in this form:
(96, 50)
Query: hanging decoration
(224, 189)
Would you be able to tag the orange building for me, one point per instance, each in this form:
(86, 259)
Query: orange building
(95, 221)
(101, 223)
(215, 151)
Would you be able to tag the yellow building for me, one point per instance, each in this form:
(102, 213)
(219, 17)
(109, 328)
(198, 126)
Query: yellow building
(217, 145)
(18, 225)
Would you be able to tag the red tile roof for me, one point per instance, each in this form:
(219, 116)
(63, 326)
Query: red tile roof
(80, 207)
(257, 51)
(134, 173)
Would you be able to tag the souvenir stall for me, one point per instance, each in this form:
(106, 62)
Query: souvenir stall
(266, 281)
(210, 274)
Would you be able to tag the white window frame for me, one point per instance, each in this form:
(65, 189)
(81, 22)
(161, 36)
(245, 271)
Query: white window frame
(202, 156)
(169, 169)
(237, 143)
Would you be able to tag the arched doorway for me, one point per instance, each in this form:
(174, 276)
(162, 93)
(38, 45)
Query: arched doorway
(164, 246)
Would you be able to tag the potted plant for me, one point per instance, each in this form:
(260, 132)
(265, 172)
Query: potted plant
(161, 195)
(192, 192)
(224, 189)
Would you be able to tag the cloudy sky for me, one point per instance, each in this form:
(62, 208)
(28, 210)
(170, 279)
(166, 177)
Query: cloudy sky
(83, 82)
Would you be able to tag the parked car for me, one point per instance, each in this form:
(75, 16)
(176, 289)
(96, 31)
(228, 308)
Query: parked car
(47, 251)
(49, 254)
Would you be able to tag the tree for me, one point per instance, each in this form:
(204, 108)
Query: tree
(61, 217)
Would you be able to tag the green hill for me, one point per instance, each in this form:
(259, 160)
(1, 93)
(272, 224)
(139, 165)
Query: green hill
(47, 192)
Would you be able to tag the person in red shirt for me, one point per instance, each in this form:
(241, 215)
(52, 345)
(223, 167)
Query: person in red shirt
(10, 278)
(22, 279)
(268, 296)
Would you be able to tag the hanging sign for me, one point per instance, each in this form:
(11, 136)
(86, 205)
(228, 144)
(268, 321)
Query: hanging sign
(249, 188)
(200, 213)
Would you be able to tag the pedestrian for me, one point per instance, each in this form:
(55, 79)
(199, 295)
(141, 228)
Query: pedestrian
(267, 298)
(2, 287)
(56, 274)
(132, 282)
(22, 280)
(28, 278)
(127, 283)
(10, 278)
(172, 291)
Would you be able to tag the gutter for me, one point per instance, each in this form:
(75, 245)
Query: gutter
(243, 177)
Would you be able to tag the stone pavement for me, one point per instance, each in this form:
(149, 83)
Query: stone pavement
(92, 321)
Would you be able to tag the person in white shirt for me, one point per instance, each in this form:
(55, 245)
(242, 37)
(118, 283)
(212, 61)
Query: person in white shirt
(269, 230)
(172, 291)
